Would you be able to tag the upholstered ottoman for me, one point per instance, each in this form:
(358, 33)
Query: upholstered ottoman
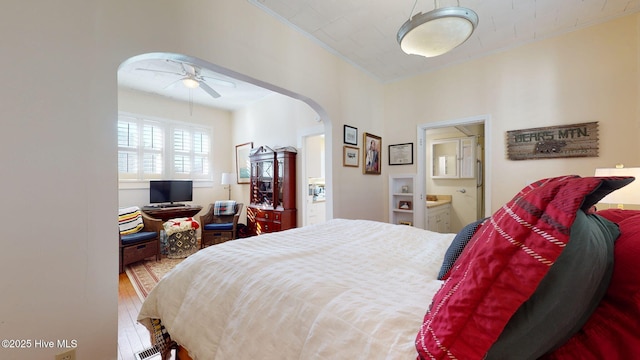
(181, 237)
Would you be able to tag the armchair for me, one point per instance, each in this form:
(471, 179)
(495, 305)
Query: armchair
(219, 226)
(141, 244)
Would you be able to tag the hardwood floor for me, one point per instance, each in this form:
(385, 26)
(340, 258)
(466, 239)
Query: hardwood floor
(132, 337)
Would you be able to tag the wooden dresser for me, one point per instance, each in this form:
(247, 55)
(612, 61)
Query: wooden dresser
(273, 190)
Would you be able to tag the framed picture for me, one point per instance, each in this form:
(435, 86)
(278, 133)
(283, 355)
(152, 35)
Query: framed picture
(401, 154)
(243, 166)
(404, 205)
(350, 135)
(372, 146)
(350, 156)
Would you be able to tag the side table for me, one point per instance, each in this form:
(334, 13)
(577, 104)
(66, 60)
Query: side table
(168, 213)
(181, 240)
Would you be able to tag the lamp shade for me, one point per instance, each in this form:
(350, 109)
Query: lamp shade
(629, 194)
(437, 32)
(227, 178)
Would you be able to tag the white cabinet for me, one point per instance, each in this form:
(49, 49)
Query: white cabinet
(401, 199)
(453, 158)
(316, 212)
(467, 158)
(439, 218)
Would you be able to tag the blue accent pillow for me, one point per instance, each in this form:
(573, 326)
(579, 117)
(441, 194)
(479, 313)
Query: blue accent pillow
(457, 245)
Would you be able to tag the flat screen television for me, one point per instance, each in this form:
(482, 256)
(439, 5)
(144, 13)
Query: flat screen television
(170, 191)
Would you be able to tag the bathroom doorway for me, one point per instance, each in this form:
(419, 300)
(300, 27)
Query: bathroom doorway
(453, 183)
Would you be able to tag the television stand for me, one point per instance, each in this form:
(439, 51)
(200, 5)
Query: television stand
(177, 211)
(172, 205)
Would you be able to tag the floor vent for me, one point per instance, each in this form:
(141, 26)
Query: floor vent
(149, 353)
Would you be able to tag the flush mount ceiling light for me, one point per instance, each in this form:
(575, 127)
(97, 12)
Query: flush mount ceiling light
(438, 31)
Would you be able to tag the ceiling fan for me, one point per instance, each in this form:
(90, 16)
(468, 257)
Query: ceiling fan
(192, 78)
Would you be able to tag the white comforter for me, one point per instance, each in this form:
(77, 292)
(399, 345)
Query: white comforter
(346, 289)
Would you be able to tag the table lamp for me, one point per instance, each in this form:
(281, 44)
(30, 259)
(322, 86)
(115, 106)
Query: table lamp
(227, 179)
(629, 194)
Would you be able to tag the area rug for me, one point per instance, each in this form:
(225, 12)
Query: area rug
(144, 275)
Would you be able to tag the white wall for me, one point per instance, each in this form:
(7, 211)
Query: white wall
(354, 194)
(587, 75)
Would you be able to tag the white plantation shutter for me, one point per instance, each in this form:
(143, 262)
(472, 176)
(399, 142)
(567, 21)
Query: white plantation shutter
(145, 151)
(128, 162)
(128, 140)
(201, 149)
(181, 151)
(128, 133)
(153, 146)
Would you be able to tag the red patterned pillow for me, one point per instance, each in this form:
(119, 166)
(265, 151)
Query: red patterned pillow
(503, 264)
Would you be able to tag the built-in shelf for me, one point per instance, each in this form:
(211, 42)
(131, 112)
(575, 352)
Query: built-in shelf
(401, 199)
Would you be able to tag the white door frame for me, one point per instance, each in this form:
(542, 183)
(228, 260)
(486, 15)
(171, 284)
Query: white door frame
(421, 178)
(302, 183)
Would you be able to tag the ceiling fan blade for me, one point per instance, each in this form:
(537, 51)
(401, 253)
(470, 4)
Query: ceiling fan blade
(159, 71)
(209, 90)
(220, 81)
(172, 84)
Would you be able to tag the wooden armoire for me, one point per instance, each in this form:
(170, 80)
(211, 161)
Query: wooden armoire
(272, 204)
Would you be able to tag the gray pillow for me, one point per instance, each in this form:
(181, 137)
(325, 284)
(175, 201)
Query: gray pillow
(566, 296)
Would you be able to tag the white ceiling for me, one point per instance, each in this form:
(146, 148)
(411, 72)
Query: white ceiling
(363, 32)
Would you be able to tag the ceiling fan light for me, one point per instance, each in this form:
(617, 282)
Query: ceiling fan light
(190, 83)
(437, 32)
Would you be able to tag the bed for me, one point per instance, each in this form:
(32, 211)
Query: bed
(352, 289)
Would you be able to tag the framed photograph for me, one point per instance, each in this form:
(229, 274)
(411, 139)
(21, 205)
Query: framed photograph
(350, 156)
(372, 146)
(401, 154)
(350, 135)
(404, 205)
(243, 166)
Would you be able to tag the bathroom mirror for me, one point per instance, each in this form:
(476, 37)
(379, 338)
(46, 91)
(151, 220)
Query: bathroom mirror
(444, 159)
(453, 158)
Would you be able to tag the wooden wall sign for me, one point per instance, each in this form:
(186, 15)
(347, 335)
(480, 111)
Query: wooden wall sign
(577, 140)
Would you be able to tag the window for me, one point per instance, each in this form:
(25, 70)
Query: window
(201, 147)
(181, 151)
(162, 149)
